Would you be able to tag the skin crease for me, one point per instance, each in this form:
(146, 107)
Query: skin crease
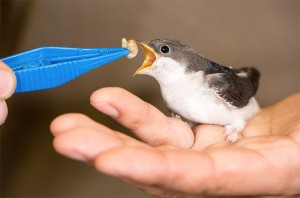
(264, 162)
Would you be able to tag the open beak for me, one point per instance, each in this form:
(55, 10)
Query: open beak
(150, 58)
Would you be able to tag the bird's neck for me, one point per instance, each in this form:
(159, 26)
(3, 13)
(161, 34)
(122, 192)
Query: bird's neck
(172, 76)
(167, 71)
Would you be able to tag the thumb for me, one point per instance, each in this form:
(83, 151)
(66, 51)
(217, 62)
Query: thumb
(7, 81)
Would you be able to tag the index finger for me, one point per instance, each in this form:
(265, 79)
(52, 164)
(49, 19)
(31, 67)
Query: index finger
(143, 119)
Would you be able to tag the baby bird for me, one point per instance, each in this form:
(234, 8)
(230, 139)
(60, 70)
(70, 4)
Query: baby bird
(198, 90)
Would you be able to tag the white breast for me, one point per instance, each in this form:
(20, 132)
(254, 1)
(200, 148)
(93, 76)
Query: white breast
(189, 96)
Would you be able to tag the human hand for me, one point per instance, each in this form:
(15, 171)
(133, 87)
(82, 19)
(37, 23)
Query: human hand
(7, 87)
(176, 161)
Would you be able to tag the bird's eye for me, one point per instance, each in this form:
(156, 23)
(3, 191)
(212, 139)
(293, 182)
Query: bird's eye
(164, 49)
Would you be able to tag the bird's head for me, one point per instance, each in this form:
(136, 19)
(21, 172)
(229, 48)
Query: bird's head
(165, 54)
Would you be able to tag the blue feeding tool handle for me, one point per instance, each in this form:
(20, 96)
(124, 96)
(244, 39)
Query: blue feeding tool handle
(48, 67)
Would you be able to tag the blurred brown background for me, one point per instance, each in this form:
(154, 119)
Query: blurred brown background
(238, 33)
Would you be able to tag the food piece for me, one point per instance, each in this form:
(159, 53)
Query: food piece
(131, 46)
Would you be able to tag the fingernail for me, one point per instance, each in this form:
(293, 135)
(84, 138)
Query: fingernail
(6, 83)
(107, 109)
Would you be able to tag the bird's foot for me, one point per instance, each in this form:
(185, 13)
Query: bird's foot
(233, 130)
(231, 136)
(177, 116)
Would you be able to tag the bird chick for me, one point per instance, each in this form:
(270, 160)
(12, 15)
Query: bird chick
(198, 90)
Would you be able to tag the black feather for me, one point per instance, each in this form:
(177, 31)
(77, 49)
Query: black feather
(234, 88)
(253, 75)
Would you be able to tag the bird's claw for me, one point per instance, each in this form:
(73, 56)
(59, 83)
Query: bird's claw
(231, 134)
(232, 138)
(233, 130)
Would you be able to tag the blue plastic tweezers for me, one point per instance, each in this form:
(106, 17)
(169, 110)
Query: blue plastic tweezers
(48, 67)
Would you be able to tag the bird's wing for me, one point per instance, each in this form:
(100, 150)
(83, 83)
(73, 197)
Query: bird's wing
(235, 86)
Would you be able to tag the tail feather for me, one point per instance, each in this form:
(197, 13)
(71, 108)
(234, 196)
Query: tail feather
(252, 74)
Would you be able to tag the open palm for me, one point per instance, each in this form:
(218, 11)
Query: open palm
(173, 160)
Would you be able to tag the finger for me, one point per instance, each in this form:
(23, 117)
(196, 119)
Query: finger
(70, 121)
(144, 120)
(177, 171)
(216, 172)
(84, 143)
(3, 112)
(7, 81)
(156, 162)
(73, 121)
(207, 135)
